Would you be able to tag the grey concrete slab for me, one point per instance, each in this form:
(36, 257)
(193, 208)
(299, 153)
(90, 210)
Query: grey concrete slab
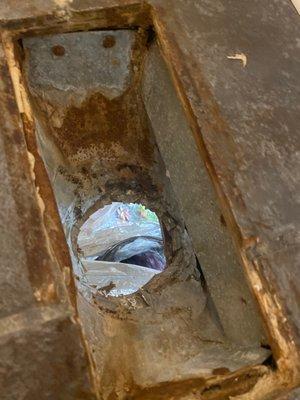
(81, 63)
(199, 206)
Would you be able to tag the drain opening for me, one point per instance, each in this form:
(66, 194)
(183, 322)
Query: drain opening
(121, 248)
(89, 125)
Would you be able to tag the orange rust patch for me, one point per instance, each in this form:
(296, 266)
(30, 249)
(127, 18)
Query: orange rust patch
(58, 50)
(102, 123)
(109, 41)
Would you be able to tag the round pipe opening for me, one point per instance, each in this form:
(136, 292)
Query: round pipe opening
(121, 248)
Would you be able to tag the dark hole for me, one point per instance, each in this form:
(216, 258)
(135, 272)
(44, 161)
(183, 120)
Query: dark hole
(265, 346)
(150, 36)
(222, 219)
(109, 41)
(58, 50)
(270, 362)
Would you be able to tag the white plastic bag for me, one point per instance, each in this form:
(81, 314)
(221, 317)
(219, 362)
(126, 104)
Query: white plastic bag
(122, 249)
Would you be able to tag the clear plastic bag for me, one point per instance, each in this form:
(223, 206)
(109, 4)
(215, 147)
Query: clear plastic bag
(113, 224)
(122, 249)
(115, 279)
(140, 250)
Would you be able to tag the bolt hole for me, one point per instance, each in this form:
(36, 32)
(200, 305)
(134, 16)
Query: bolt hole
(58, 50)
(109, 41)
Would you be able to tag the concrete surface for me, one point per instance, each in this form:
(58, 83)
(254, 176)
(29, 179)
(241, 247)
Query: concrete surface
(94, 135)
(248, 118)
(203, 218)
(37, 319)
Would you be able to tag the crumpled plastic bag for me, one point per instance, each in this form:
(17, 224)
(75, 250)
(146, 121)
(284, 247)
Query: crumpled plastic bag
(115, 279)
(113, 224)
(122, 249)
(145, 251)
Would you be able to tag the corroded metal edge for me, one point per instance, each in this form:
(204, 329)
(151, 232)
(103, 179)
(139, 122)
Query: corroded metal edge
(62, 17)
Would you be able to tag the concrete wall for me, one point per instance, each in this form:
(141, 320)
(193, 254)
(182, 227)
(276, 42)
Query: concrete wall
(198, 203)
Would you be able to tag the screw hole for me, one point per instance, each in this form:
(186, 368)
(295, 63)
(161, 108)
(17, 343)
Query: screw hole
(109, 41)
(58, 50)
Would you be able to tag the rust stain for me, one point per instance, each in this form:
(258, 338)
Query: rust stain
(52, 249)
(102, 123)
(86, 119)
(38, 260)
(58, 50)
(218, 388)
(220, 371)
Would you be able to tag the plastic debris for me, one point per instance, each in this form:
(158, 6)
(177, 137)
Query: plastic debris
(122, 248)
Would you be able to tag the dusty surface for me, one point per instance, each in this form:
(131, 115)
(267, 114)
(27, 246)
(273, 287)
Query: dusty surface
(245, 122)
(248, 119)
(36, 316)
(100, 149)
(294, 395)
(203, 218)
(249, 124)
(60, 53)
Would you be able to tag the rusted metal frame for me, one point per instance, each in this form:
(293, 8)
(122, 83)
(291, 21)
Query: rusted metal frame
(54, 239)
(51, 286)
(280, 333)
(128, 14)
(44, 254)
(102, 18)
(45, 196)
(216, 388)
(45, 200)
(39, 257)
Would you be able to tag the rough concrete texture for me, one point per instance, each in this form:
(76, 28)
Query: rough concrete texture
(41, 357)
(204, 221)
(37, 319)
(249, 118)
(99, 151)
(14, 277)
(261, 136)
(293, 395)
(81, 63)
